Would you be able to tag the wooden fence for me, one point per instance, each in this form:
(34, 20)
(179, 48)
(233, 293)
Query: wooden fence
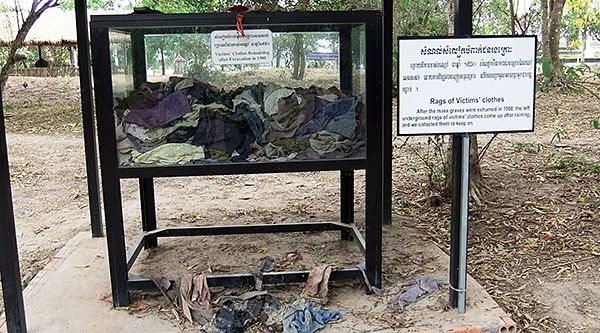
(46, 72)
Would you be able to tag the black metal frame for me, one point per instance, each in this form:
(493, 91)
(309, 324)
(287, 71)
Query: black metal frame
(388, 83)
(87, 113)
(9, 256)
(120, 263)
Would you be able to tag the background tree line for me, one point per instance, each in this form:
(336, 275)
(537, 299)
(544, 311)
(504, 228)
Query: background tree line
(574, 20)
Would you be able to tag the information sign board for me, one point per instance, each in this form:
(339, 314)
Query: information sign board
(466, 85)
(229, 47)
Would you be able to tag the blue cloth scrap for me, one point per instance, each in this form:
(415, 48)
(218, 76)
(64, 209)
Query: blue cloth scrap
(325, 114)
(301, 317)
(423, 285)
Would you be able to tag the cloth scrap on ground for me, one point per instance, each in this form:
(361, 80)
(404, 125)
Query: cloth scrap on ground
(236, 314)
(302, 317)
(423, 285)
(317, 284)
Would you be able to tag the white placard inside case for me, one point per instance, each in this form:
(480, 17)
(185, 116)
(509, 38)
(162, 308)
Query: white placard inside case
(229, 47)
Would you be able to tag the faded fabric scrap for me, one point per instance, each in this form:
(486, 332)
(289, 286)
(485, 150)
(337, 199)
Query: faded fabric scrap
(172, 107)
(301, 317)
(326, 113)
(326, 142)
(170, 154)
(423, 285)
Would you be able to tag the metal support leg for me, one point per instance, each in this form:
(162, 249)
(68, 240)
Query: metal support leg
(113, 206)
(87, 113)
(148, 208)
(374, 172)
(373, 238)
(9, 255)
(346, 200)
(115, 239)
(388, 40)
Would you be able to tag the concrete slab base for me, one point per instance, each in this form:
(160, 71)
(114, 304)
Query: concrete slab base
(67, 295)
(70, 295)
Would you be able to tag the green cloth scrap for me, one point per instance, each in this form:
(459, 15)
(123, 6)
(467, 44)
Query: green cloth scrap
(169, 154)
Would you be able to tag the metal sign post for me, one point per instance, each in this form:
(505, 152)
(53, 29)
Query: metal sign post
(463, 26)
(9, 255)
(459, 222)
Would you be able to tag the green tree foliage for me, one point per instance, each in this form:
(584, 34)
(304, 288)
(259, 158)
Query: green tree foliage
(580, 20)
(491, 17)
(419, 18)
(308, 5)
(91, 4)
(500, 17)
(4, 8)
(585, 15)
(195, 48)
(570, 30)
(158, 51)
(187, 6)
(282, 44)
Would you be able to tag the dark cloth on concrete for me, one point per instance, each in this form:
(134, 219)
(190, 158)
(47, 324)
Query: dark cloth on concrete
(235, 315)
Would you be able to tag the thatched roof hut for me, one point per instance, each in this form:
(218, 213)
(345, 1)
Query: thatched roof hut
(55, 27)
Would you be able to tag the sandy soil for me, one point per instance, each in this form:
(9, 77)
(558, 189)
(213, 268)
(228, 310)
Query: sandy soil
(533, 240)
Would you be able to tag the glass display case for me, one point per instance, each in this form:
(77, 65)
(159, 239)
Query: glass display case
(226, 93)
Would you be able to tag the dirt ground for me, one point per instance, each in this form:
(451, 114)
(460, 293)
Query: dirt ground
(533, 241)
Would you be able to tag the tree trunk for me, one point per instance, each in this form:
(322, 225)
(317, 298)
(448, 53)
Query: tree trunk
(298, 57)
(162, 61)
(450, 16)
(554, 26)
(302, 60)
(545, 29)
(511, 7)
(583, 42)
(72, 56)
(476, 184)
(34, 14)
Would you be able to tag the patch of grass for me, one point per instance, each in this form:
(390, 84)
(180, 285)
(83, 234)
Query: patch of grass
(65, 118)
(31, 103)
(570, 165)
(528, 147)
